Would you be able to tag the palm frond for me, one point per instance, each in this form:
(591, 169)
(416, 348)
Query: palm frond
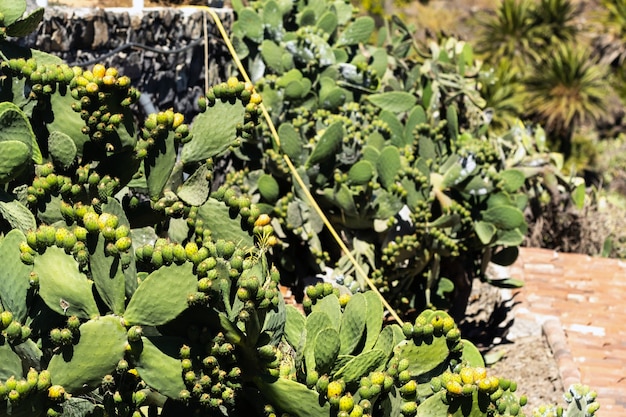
(566, 90)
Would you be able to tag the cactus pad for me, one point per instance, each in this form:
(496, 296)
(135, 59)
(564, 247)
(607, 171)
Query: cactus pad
(294, 325)
(62, 286)
(15, 158)
(108, 277)
(293, 398)
(14, 276)
(159, 366)
(326, 349)
(162, 296)
(353, 323)
(327, 145)
(102, 345)
(10, 362)
(361, 365)
(217, 129)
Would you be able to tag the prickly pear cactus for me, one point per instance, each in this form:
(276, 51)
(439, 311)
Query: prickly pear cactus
(393, 148)
(133, 284)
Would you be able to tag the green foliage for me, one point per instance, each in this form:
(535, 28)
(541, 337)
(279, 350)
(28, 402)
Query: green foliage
(390, 141)
(566, 90)
(542, 70)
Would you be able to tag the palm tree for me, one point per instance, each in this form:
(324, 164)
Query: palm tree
(565, 90)
(511, 33)
(557, 20)
(502, 89)
(611, 44)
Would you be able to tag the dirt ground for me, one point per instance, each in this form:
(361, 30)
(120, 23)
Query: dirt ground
(529, 362)
(522, 352)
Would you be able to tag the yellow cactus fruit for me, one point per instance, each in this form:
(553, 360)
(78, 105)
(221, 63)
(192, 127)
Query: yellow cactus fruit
(56, 393)
(98, 70)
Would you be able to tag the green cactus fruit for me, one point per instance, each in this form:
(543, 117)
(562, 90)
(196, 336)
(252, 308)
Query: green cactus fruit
(14, 331)
(6, 318)
(134, 334)
(268, 187)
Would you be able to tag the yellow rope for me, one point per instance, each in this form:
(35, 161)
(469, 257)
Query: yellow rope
(292, 168)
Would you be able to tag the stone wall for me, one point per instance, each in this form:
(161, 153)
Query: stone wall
(160, 49)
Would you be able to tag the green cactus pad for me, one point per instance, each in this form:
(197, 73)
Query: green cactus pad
(358, 31)
(292, 397)
(268, 187)
(388, 165)
(416, 117)
(326, 349)
(389, 337)
(25, 26)
(195, 190)
(393, 101)
(17, 215)
(158, 365)
(513, 180)
(162, 296)
(453, 122)
(435, 407)
(15, 158)
(215, 131)
(396, 128)
(272, 55)
(315, 323)
(14, 276)
(108, 277)
(327, 22)
(251, 23)
(62, 287)
(485, 231)
(12, 10)
(113, 206)
(328, 144)
(102, 345)
(330, 305)
(16, 127)
(471, 355)
(504, 217)
(345, 201)
(10, 363)
(62, 149)
(370, 154)
(158, 165)
(272, 15)
(361, 172)
(425, 357)
(294, 325)
(290, 142)
(332, 98)
(353, 323)
(361, 365)
(374, 320)
(217, 219)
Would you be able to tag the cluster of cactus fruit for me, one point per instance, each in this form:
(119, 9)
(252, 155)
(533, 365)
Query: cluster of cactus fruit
(131, 287)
